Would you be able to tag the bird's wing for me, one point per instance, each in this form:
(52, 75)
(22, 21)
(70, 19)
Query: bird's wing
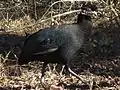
(47, 51)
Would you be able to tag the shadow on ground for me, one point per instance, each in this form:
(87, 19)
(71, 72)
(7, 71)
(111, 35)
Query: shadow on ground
(102, 54)
(10, 43)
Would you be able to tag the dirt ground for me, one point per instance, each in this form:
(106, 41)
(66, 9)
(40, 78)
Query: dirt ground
(98, 63)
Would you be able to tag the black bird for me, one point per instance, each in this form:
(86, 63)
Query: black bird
(57, 44)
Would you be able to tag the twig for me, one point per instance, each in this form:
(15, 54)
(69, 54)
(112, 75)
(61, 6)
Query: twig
(55, 16)
(49, 8)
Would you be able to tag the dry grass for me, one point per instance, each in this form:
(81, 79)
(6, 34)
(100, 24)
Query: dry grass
(101, 73)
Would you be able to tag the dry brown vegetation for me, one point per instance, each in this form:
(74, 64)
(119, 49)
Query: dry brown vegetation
(99, 65)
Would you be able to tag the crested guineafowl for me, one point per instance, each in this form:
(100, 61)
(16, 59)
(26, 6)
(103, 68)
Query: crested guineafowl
(57, 44)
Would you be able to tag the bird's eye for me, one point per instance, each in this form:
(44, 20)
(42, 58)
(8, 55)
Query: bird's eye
(46, 41)
(49, 40)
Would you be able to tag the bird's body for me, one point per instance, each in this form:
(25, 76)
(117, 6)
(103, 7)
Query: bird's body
(50, 45)
(57, 44)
